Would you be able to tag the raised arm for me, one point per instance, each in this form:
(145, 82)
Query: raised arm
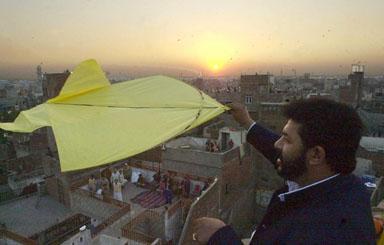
(261, 138)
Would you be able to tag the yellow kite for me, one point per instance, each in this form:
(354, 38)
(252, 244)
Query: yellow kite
(95, 123)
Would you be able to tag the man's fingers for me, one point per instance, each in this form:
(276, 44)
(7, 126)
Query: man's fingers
(226, 102)
(196, 228)
(204, 228)
(235, 106)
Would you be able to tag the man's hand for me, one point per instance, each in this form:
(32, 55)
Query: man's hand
(241, 115)
(205, 227)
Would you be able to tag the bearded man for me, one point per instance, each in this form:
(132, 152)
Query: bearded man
(322, 202)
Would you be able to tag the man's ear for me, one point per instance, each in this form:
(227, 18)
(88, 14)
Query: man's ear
(316, 155)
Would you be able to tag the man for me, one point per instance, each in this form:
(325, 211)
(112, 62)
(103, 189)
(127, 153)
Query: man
(117, 194)
(92, 184)
(115, 175)
(187, 187)
(141, 181)
(168, 195)
(322, 202)
(127, 171)
(122, 178)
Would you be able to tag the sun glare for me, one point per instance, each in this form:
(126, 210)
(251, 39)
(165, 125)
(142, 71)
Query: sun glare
(214, 51)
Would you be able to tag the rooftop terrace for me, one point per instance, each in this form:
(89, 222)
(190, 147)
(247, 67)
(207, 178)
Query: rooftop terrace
(26, 218)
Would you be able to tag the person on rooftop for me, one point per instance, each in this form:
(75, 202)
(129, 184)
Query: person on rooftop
(322, 202)
(127, 171)
(105, 185)
(92, 184)
(122, 178)
(117, 193)
(141, 181)
(115, 175)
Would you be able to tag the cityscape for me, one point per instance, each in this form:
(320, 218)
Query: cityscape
(154, 197)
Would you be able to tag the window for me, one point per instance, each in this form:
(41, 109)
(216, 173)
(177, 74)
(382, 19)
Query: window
(248, 99)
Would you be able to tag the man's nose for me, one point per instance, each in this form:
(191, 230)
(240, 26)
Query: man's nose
(278, 143)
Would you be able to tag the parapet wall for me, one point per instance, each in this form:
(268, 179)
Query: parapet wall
(207, 205)
(200, 163)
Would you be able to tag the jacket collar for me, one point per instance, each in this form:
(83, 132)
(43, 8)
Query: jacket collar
(320, 191)
(293, 187)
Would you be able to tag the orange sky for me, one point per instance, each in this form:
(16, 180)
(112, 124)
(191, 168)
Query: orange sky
(208, 37)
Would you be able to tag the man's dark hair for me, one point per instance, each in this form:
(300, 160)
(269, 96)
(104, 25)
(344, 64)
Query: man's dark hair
(334, 126)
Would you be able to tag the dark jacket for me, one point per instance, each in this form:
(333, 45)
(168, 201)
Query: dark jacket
(336, 211)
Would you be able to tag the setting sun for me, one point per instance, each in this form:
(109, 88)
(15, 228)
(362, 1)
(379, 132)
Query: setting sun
(214, 51)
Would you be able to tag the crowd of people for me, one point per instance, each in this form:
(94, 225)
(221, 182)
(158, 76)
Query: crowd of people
(171, 186)
(110, 180)
(113, 180)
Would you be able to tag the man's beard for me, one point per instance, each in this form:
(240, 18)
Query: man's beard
(291, 169)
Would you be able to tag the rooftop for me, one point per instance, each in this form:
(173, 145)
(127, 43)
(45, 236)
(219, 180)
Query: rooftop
(26, 218)
(373, 144)
(191, 143)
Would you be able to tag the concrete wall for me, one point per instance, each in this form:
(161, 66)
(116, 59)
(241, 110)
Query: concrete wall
(81, 238)
(58, 188)
(153, 155)
(207, 205)
(108, 240)
(198, 163)
(195, 143)
(208, 159)
(173, 225)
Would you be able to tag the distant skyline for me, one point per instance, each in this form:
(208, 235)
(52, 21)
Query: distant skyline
(215, 37)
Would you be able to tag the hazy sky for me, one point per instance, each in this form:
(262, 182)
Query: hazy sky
(226, 37)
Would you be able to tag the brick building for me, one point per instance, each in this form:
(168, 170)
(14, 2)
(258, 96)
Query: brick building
(254, 89)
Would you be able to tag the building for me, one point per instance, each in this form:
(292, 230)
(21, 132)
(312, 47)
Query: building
(264, 104)
(270, 115)
(233, 166)
(254, 89)
(372, 148)
(52, 84)
(373, 123)
(352, 93)
(376, 104)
